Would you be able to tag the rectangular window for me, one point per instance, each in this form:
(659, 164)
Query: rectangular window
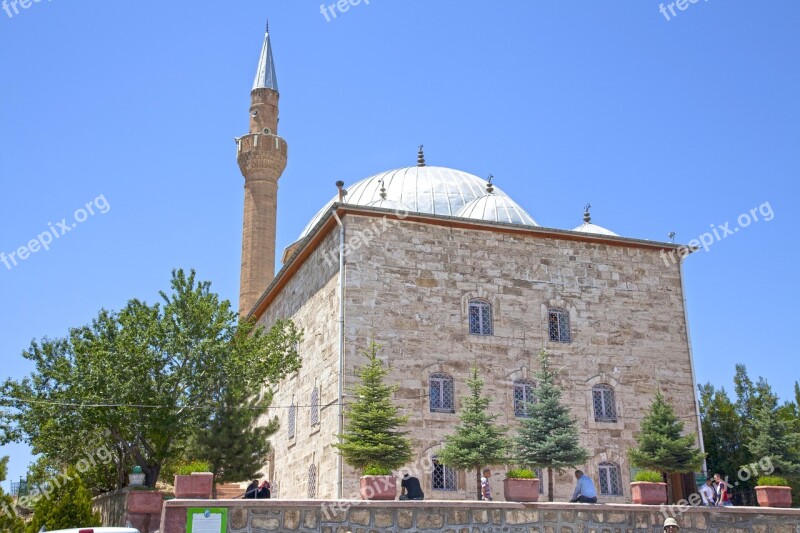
(314, 406)
(444, 478)
(609, 478)
(480, 318)
(605, 409)
(292, 422)
(441, 394)
(558, 324)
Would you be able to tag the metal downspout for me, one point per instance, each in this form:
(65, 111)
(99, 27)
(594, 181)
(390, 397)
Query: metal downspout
(691, 366)
(339, 464)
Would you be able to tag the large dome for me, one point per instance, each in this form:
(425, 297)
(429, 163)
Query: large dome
(421, 189)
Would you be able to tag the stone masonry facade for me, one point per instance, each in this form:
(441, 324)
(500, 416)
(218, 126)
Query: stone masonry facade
(408, 284)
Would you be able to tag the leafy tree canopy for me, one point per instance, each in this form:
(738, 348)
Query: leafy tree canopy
(141, 380)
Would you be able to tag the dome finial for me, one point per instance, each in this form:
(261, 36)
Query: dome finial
(489, 186)
(420, 157)
(586, 217)
(383, 190)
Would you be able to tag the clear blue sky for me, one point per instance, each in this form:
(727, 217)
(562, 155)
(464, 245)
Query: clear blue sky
(663, 125)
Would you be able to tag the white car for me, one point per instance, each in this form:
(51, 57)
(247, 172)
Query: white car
(96, 530)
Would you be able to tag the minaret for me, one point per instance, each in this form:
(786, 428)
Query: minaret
(262, 157)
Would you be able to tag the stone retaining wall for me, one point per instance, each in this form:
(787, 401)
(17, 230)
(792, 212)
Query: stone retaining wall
(259, 516)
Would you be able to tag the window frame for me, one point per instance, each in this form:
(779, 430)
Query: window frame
(291, 425)
(485, 326)
(612, 470)
(527, 387)
(564, 335)
(440, 379)
(314, 413)
(608, 398)
(448, 476)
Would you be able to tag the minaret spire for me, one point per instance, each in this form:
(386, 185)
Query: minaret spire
(265, 74)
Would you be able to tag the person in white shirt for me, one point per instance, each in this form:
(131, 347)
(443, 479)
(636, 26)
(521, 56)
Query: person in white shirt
(708, 493)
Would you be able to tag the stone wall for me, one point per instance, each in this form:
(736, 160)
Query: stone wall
(408, 284)
(473, 517)
(139, 508)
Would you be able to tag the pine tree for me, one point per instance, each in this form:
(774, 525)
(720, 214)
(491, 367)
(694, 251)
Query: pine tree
(477, 440)
(772, 437)
(661, 447)
(69, 505)
(231, 442)
(371, 438)
(548, 437)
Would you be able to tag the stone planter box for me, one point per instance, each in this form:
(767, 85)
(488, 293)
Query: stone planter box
(521, 490)
(769, 496)
(648, 493)
(378, 487)
(197, 485)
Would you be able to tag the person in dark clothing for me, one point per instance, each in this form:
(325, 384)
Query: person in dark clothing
(251, 490)
(410, 488)
(263, 491)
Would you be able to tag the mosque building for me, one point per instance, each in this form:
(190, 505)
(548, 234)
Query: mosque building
(445, 271)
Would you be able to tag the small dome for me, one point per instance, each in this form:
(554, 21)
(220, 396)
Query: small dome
(588, 227)
(493, 208)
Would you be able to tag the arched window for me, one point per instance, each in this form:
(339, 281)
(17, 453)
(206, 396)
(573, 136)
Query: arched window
(290, 426)
(443, 477)
(312, 482)
(442, 399)
(558, 325)
(523, 395)
(480, 317)
(605, 407)
(609, 478)
(314, 415)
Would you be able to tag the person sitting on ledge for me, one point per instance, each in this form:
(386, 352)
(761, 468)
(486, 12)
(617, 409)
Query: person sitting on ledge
(410, 489)
(584, 490)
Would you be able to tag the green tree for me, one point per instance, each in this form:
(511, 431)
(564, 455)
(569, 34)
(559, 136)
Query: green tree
(661, 445)
(230, 441)
(548, 437)
(772, 437)
(10, 522)
(477, 441)
(371, 437)
(722, 432)
(67, 504)
(140, 380)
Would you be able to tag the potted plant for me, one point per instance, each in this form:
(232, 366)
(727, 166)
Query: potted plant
(193, 480)
(661, 445)
(521, 485)
(773, 491)
(648, 488)
(371, 441)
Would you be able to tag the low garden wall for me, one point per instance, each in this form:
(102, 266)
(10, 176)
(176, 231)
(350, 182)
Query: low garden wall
(258, 516)
(139, 508)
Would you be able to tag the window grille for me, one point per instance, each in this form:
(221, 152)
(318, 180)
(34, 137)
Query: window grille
(443, 477)
(558, 324)
(523, 395)
(314, 416)
(292, 420)
(480, 317)
(312, 482)
(442, 397)
(605, 408)
(609, 478)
